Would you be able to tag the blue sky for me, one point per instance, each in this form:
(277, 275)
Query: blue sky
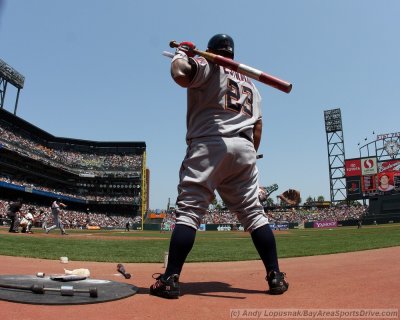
(94, 70)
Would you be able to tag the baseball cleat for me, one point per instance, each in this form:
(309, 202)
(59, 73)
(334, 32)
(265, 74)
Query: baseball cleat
(166, 288)
(277, 283)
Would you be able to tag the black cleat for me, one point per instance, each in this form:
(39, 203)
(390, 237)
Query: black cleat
(166, 288)
(277, 283)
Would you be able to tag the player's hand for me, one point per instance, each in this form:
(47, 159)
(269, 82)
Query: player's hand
(291, 197)
(187, 47)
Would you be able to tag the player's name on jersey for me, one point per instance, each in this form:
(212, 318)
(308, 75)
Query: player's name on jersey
(237, 75)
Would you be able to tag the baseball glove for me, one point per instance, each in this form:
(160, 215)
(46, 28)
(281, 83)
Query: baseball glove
(291, 197)
(23, 222)
(262, 194)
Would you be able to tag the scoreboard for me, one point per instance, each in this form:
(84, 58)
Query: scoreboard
(368, 177)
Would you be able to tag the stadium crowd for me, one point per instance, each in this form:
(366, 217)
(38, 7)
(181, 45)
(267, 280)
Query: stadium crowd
(293, 215)
(80, 219)
(79, 195)
(80, 162)
(71, 219)
(333, 213)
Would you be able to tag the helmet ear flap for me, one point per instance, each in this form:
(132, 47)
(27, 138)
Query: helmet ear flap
(222, 44)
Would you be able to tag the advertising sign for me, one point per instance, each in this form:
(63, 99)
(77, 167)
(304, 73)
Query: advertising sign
(369, 166)
(325, 224)
(390, 165)
(279, 226)
(353, 167)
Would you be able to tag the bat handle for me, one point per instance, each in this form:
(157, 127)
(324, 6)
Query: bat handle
(173, 44)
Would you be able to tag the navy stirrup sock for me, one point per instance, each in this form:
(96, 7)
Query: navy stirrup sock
(182, 241)
(264, 241)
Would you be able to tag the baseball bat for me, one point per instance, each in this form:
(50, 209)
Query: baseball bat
(121, 269)
(242, 69)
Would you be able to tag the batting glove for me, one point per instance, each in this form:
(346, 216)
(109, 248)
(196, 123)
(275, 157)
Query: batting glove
(187, 47)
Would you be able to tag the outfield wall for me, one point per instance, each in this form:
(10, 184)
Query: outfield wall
(282, 226)
(373, 220)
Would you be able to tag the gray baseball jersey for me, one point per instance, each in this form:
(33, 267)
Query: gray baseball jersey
(55, 208)
(232, 103)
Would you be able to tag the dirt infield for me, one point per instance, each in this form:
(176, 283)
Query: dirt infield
(359, 280)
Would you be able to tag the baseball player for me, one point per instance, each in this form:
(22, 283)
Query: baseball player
(56, 211)
(224, 125)
(13, 213)
(28, 220)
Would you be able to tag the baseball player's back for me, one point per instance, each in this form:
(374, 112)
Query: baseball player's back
(223, 134)
(232, 103)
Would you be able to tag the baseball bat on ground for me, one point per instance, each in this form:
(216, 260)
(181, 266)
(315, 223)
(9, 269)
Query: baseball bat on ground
(121, 269)
(242, 69)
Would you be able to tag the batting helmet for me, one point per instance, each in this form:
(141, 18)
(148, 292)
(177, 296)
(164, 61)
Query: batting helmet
(222, 44)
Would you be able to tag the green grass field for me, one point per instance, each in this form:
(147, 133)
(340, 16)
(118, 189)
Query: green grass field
(149, 246)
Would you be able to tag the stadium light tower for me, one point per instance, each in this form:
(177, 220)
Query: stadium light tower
(336, 154)
(12, 76)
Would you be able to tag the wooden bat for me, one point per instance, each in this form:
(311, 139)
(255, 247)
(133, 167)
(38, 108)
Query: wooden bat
(121, 269)
(242, 69)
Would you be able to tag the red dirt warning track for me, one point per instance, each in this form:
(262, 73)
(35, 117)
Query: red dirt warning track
(359, 280)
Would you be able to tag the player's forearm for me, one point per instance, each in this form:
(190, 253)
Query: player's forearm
(181, 71)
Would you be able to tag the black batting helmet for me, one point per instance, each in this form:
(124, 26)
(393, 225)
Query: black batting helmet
(222, 44)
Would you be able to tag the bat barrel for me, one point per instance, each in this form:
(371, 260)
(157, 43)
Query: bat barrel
(276, 83)
(264, 78)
